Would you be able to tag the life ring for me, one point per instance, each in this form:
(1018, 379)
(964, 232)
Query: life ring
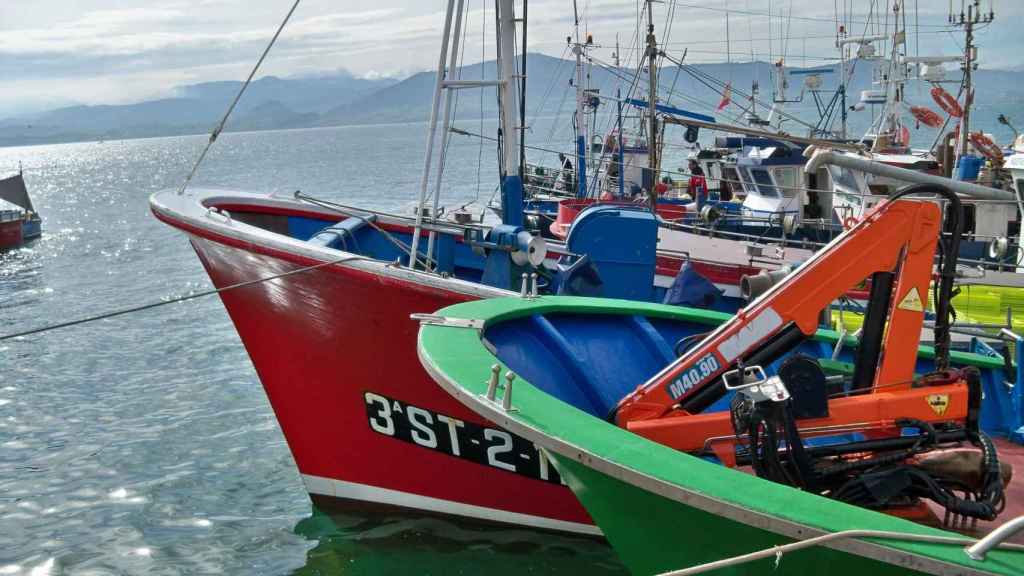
(926, 116)
(986, 147)
(947, 102)
(850, 222)
(904, 136)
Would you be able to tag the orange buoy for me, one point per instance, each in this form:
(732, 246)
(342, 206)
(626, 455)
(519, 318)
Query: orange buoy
(947, 102)
(984, 145)
(926, 116)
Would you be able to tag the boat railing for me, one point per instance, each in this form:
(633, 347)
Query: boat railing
(975, 549)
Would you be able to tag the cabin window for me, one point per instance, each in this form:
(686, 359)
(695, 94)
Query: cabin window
(764, 183)
(748, 185)
(787, 181)
(730, 182)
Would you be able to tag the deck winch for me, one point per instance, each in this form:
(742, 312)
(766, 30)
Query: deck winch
(511, 251)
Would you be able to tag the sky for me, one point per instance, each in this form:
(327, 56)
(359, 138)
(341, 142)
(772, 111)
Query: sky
(59, 52)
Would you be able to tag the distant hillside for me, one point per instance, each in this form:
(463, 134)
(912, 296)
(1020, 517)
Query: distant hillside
(268, 103)
(695, 88)
(341, 99)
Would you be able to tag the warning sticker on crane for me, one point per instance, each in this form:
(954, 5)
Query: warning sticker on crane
(912, 301)
(938, 403)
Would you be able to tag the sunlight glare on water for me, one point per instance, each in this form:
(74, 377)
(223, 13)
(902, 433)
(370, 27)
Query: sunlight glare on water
(144, 444)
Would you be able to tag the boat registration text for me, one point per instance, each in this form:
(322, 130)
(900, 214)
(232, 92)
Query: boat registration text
(466, 440)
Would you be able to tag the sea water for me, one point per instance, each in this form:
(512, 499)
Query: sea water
(144, 444)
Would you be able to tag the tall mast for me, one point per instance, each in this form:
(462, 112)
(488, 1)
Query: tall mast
(511, 179)
(652, 111)
(581, 113)
(431, 132)
(507, 87)
(619, 152)
(973, 16)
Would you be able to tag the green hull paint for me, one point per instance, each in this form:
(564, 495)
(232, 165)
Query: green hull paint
(652, 534)
(662, 509)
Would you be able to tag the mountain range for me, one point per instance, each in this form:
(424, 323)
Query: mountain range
(342, 99)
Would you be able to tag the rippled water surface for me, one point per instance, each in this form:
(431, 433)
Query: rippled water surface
(144, 444)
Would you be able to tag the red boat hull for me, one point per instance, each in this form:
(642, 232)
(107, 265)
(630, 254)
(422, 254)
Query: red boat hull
(10, 234)
(335, 350)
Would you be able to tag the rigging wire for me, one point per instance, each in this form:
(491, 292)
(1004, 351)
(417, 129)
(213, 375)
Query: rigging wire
(220, 126)
(756, 13)
(151, 305)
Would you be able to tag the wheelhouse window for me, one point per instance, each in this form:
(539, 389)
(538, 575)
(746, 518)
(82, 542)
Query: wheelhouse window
(764, 182)
(787, 181)
(748, 184)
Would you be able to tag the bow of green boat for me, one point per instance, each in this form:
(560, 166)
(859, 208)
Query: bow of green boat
(660, 508)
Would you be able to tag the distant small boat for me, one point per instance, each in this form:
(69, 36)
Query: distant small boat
(19, 221)
(11, 217)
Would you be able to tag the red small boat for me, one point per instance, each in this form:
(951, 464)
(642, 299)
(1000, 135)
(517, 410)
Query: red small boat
(11, 223)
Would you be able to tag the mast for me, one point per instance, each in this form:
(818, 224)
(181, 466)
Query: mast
(445, 125)
(840, 36)
(581, 114)
(619, 152)
(431, 132)
(972, 17)
(511, 179)
(652, 110)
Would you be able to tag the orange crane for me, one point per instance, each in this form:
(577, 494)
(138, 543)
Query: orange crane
(894, 246)
(875, 462)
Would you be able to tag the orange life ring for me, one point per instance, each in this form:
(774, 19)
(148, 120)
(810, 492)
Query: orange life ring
(926, 116)
(849, 222)
(904, 137)
(986, 147)
(947, 102)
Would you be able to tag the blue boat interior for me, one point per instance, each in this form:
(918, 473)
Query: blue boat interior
(591, 361)
(611, 252)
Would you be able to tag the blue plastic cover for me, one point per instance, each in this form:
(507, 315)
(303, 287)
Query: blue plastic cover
(691, 289)
(622, 243)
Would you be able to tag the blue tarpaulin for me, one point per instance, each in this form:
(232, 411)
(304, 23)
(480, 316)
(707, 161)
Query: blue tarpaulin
(691, 289)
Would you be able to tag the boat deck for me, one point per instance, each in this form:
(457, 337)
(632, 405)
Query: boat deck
(724, 250)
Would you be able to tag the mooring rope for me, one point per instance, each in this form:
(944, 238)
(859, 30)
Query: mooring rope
(220, 126)
(140, 308)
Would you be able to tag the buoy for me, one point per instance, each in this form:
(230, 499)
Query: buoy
(926, 116)
(986, 147)
(947, 102)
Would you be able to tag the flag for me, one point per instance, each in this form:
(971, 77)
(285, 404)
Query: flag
(726, 96)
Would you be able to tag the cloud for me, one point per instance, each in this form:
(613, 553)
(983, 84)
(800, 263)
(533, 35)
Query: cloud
(101, 51)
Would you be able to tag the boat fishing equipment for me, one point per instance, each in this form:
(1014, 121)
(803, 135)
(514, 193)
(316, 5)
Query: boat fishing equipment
(880, 423)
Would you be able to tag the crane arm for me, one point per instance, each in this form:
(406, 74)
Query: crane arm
(894, 245)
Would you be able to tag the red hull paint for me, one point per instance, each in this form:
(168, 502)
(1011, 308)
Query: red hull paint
(10, 234)
(319, 341)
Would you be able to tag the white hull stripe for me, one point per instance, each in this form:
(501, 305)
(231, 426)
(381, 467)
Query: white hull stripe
(340, 489)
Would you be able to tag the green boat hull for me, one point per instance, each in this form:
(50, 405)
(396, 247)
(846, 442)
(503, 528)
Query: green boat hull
(652, 534)
(664, 510)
